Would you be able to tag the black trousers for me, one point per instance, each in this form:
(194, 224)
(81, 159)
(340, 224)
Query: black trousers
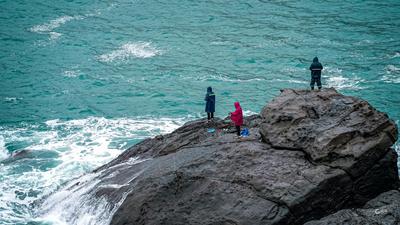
(238, 130)
(315, 79)
(210, 115)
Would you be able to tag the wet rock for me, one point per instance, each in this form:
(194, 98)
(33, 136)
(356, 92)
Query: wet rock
(309, 154)
(382, 210)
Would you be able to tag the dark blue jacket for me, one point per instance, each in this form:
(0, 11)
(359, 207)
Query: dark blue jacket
(210, 100)
(316, 68)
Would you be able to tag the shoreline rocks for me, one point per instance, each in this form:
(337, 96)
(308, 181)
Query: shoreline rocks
(383, 209)
(309, 154)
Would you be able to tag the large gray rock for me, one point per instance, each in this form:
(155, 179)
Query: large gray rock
(309, 154)
(340, 131)
(383, 210)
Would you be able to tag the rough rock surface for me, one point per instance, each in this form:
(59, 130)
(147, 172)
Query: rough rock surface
(309, 154)
(382, 210)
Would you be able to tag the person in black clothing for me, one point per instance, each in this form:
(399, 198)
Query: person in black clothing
(210, 103)
(316, 68)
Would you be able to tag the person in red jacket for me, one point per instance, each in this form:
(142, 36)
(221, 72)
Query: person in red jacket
(237, 117)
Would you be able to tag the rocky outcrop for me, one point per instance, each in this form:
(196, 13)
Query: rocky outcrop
(309, 154)
(382, 210)
(334, 130)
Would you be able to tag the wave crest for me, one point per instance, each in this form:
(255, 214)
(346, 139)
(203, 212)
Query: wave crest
(57, 151)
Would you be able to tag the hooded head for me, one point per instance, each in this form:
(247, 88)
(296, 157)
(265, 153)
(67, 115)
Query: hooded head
(237, 105)
(315, 59)
(209, 89)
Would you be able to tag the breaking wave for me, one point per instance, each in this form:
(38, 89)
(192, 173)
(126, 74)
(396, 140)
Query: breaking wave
(78, 204)
(49, 154)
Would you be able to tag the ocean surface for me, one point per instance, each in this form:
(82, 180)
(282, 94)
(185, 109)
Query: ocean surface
(81, 81)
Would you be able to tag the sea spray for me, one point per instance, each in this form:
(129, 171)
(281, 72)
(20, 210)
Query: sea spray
(242, 57)
(78, 202)
(47, 155)
(3, 149)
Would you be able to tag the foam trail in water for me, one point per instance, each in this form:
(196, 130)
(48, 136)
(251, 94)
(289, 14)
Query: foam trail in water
(291, 81)
(129, 50)
(53, 24)
(221, 77)
(72, 147)
(48, 28)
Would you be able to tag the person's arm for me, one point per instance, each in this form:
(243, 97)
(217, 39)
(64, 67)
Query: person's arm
(314, 68)
(234, 114)
(233, 117)
(206, 98)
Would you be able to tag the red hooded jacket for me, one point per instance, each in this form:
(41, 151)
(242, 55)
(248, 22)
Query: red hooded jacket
(237, 116)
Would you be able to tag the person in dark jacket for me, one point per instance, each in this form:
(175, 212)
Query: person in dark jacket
(210, 103)
(316, 68)
(237, 117)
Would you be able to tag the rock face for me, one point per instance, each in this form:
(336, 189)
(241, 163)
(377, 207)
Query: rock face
(309, 154)
(383, 210)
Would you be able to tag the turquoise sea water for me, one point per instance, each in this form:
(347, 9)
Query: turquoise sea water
(83, 80)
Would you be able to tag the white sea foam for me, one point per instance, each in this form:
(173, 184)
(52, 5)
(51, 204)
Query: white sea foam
(293, 70)
(3, 149)
(292, 81)
(78, 145)
(392, 69)
(341, 82)
(396, 55)
(248, 113)
(222, 77)
(53, 24)
(71, 73)
(54, 35)
(48, 28)
(331, 70)
(391, 79)
(392, 74)
(129, 50)
(335, 78)
(12, 99)
(397, 145)
(77, 203)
